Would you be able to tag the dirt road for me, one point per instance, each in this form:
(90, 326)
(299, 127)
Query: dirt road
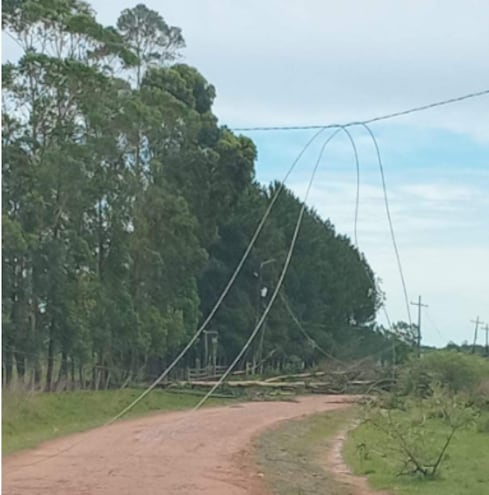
(178, 453)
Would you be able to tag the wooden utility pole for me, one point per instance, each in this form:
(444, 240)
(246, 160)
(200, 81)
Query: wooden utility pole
(210, 358)
(487, 339)
(206, 350)
(418, 337)
(260, 295)
(477, 322)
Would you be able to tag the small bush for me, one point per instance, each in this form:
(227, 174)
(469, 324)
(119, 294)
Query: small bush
(454, 371)
(480, 394)
(483, 423)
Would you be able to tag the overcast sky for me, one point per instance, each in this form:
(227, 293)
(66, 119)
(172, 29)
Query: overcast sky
(322, 61)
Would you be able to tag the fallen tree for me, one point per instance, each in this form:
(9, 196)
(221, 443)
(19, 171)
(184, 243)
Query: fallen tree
(325, 387)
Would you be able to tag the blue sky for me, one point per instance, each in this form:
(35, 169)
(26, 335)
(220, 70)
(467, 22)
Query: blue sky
(320, 61)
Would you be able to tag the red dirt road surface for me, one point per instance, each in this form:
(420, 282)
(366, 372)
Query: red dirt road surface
(177, 453)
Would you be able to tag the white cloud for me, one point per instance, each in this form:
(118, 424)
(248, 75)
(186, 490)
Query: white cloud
(441, 192)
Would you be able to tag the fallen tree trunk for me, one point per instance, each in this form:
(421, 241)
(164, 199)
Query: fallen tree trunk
(330, 386)
(297, 375)
(244, 384)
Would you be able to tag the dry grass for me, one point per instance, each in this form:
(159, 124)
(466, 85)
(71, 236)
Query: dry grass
(290, 456)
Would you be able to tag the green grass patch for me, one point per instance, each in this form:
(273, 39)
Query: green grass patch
(291, 457)
(29, 419)
(463, 472)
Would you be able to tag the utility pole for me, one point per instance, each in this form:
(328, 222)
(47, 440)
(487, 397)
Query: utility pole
(418, 337)
(206, 350)
(477, 322)
(260, 295)
(487, 339)
(210, 358)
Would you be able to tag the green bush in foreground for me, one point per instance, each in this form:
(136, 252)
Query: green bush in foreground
(463, 471)
(429, 436)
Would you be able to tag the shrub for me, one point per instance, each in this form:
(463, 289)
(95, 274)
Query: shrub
(480, 395)
(483, 423)
(420, 431)
(454, 371)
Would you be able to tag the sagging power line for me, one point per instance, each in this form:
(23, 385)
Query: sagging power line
(233, 277)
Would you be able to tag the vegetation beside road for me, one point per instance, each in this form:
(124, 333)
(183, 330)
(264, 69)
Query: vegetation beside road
(430, 435)
(289, 457)
(464, 471)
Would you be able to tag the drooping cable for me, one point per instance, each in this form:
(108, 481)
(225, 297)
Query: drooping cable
(279, 282)
(389, 219)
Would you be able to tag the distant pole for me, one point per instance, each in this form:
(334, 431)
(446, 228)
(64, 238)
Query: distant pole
(477, 322)
(487, 339)
(418, 337)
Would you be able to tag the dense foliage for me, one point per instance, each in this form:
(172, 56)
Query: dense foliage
(126, 207)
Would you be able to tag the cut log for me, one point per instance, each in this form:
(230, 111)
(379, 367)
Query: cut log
(298, 375)
(245, 384)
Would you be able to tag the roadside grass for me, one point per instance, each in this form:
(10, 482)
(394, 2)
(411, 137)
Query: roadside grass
(29, 419)
(290, 456)
(463, 472)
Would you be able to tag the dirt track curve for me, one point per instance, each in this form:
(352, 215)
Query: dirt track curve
(178, 453)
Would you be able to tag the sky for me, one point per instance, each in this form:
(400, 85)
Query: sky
(321, 61)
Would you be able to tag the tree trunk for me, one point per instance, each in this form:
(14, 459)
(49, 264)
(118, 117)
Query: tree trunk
(8, 364)
(37, 372)
(49, 371)
(82, 377)
(73, 380)
(63, 370)
(107, 380)
(97, 379)
(20, 365)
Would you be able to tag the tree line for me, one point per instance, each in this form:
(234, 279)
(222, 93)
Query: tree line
(126, 207)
